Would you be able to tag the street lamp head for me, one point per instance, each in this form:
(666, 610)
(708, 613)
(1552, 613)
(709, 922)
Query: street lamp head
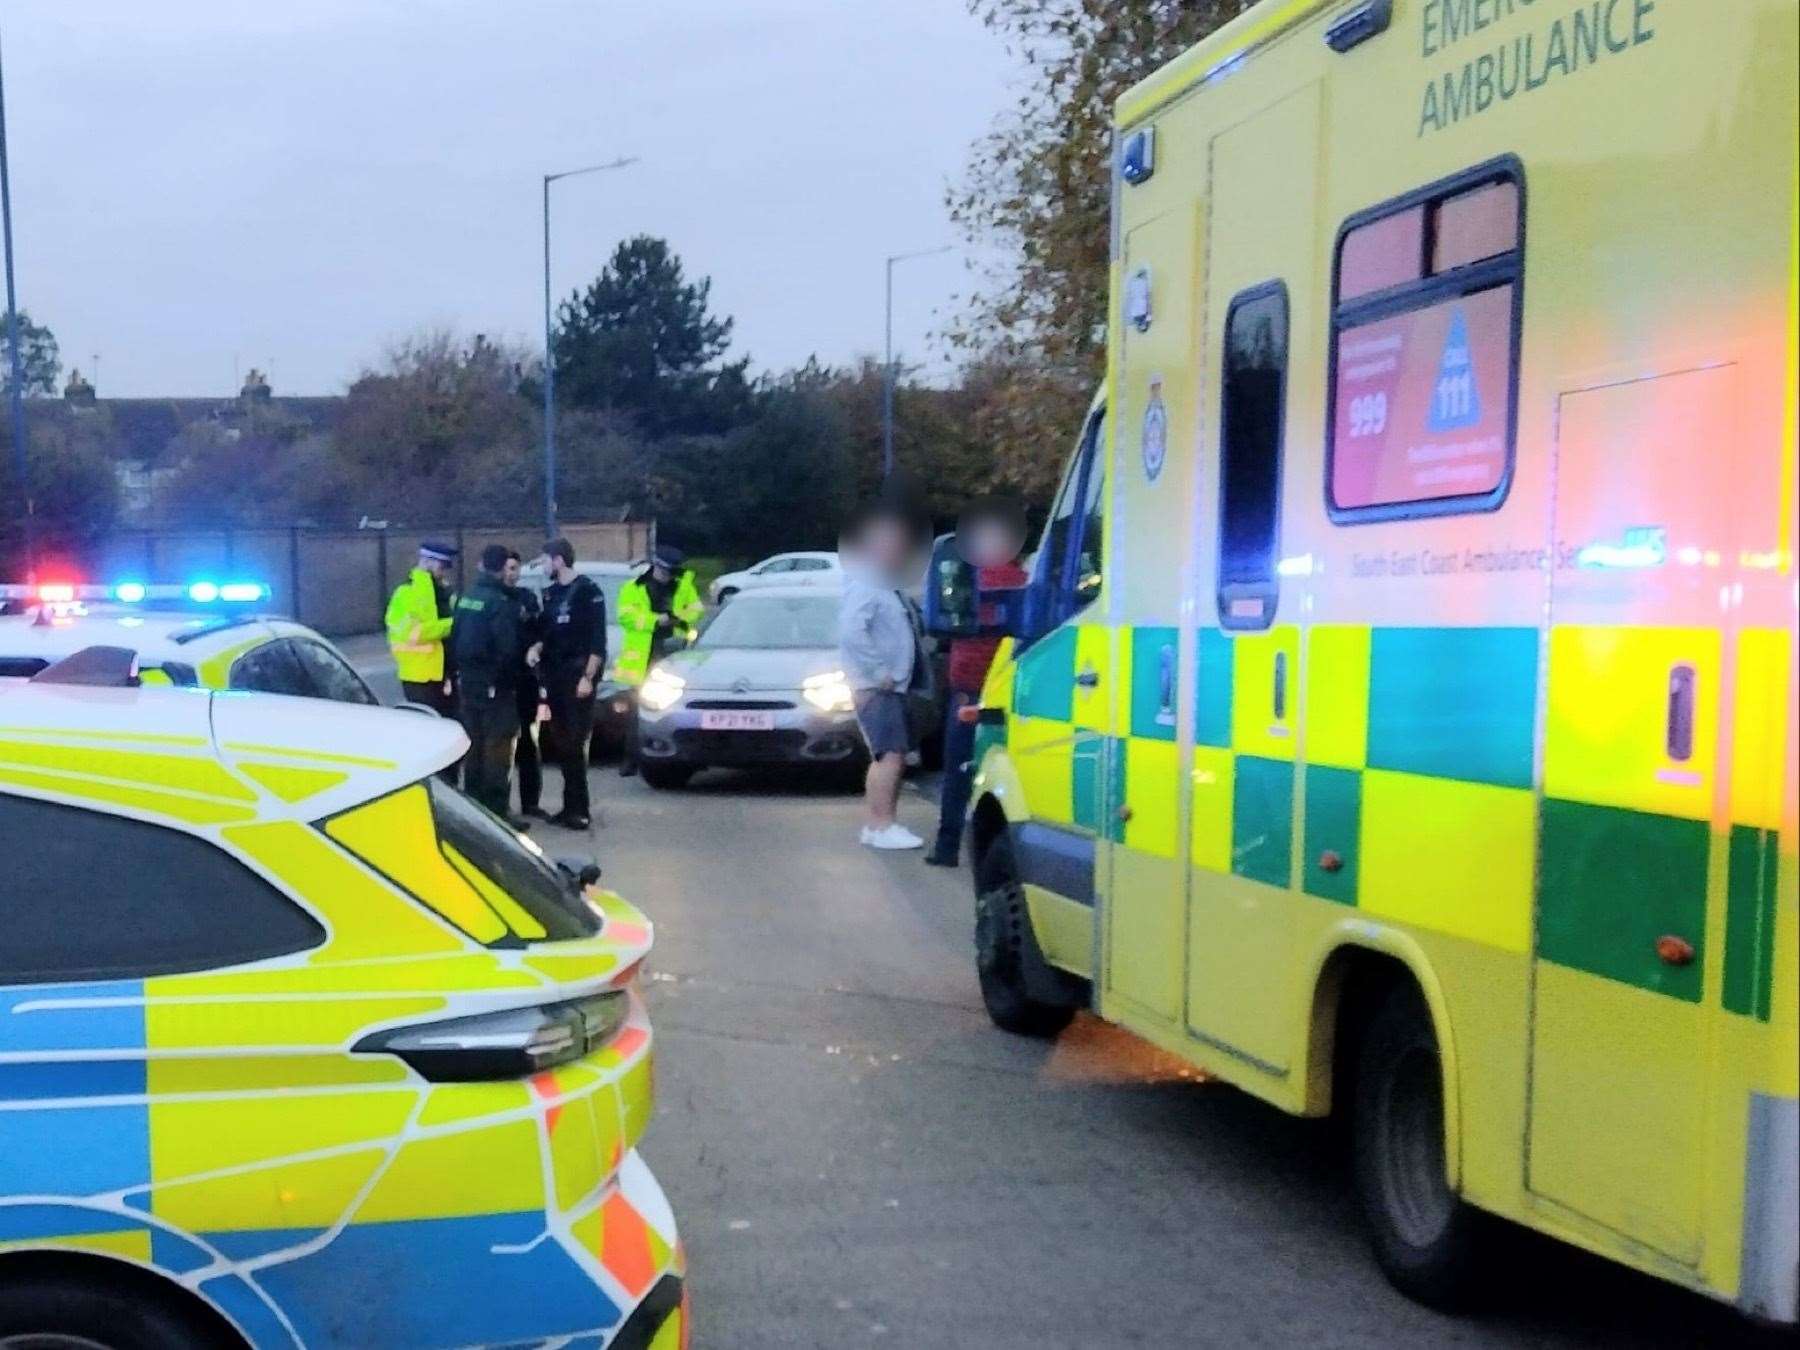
(620, 163)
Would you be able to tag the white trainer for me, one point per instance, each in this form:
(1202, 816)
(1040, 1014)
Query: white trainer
(894, 836)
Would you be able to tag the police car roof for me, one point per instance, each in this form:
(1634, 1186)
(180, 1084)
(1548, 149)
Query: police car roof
(311, 755)
(156, 635)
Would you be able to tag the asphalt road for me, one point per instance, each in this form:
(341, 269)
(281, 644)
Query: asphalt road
(857, 1157)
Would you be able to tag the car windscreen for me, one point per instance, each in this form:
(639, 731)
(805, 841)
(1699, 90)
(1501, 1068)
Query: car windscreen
(469, 834)
(771, 622)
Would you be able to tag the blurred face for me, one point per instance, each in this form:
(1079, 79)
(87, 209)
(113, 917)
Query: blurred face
(886, 544)
(661, 573)
(436, 566)
(510, 573)
(988, 542)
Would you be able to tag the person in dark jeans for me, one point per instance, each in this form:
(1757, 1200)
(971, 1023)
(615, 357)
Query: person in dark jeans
(570, 657)
(989, 536)
(485, 646)
(527, 758)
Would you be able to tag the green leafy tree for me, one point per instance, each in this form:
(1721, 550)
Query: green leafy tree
(1038, 187)
(642, 340)
(438, 433)
(39, 354)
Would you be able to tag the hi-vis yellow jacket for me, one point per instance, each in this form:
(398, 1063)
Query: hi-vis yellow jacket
(638, 620)
(416, 632)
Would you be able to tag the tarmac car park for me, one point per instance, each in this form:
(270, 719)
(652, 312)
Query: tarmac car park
(190, 635)
(300, 1046)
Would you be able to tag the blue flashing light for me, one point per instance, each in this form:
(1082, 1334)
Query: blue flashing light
(243, 592)
(203, 592)
(130, 592)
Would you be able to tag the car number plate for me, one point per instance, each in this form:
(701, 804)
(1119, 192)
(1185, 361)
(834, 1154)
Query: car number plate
(737, 721)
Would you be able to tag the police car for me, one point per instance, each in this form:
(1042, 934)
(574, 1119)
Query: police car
(298, 1046)
(206, 633)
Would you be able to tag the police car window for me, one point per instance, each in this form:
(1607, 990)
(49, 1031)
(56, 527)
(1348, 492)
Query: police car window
(811, 565)
(98, 897)
(1253, 409)
(535, 885)
(271, 669)
(21, 667)
(1424, 370)
(332, 676)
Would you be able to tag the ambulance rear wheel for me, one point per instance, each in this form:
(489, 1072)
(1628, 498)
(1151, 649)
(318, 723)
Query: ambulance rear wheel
(1426, 1237)
(666, 777)
(1000, 920)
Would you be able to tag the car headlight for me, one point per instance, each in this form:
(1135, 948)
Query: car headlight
(661, 690)
(828, 693)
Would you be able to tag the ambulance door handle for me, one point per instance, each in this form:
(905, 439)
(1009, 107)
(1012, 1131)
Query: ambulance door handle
(1679, 730)
(1088, 679)
(1278, 699)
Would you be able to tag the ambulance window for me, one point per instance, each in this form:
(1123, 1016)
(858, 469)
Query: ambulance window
(1424, 374)
(1070, 556)
(1387, 252)
(1253, 407)
(99, 897)
(1475, 226)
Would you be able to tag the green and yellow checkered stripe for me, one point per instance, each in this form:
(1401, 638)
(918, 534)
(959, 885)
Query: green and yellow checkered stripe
(1418, 780)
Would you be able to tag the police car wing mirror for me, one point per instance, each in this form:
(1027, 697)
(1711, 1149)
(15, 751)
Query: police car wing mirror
(583, 872)
(94, 667)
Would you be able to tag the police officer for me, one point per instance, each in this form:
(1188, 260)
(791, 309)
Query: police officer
(485, 646)
(570, 659)
(526, 758)
(418, 621)
(658, 610)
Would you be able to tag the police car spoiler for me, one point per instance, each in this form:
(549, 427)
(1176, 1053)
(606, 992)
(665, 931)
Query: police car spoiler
(101, 667)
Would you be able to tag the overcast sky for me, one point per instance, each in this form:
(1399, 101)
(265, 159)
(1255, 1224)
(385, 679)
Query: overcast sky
(202, 186)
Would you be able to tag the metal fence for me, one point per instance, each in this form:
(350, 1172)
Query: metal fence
(337, 581)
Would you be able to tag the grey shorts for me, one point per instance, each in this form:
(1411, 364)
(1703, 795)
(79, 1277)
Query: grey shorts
(881, 713)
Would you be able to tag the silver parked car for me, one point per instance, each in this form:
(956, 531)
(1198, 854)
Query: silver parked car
(760, 685)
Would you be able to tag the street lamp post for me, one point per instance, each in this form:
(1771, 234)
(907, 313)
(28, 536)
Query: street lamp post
(887, 369)
(17, 391)
(549, 350)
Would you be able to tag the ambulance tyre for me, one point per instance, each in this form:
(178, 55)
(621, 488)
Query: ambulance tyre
(666, 777)
(1426, 1238)
(47, 1303)
(1000, 937)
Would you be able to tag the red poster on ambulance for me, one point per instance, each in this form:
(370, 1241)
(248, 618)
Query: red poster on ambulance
(1422, 403)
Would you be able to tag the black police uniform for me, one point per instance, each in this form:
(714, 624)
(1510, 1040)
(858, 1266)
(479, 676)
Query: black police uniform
(574, 630)
(485, 644)
(526, 758)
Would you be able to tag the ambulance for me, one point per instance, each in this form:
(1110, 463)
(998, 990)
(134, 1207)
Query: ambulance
(301, 1047)
(1399, 722)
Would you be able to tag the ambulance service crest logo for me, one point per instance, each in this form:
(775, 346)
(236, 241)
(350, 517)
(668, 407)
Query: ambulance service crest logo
(1156, 431)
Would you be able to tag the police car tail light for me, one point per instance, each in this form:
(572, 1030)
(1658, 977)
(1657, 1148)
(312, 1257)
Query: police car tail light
(514, 1043)
(828, 693)
(661, 690)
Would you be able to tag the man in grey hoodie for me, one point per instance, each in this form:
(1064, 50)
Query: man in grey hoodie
(879, 648)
